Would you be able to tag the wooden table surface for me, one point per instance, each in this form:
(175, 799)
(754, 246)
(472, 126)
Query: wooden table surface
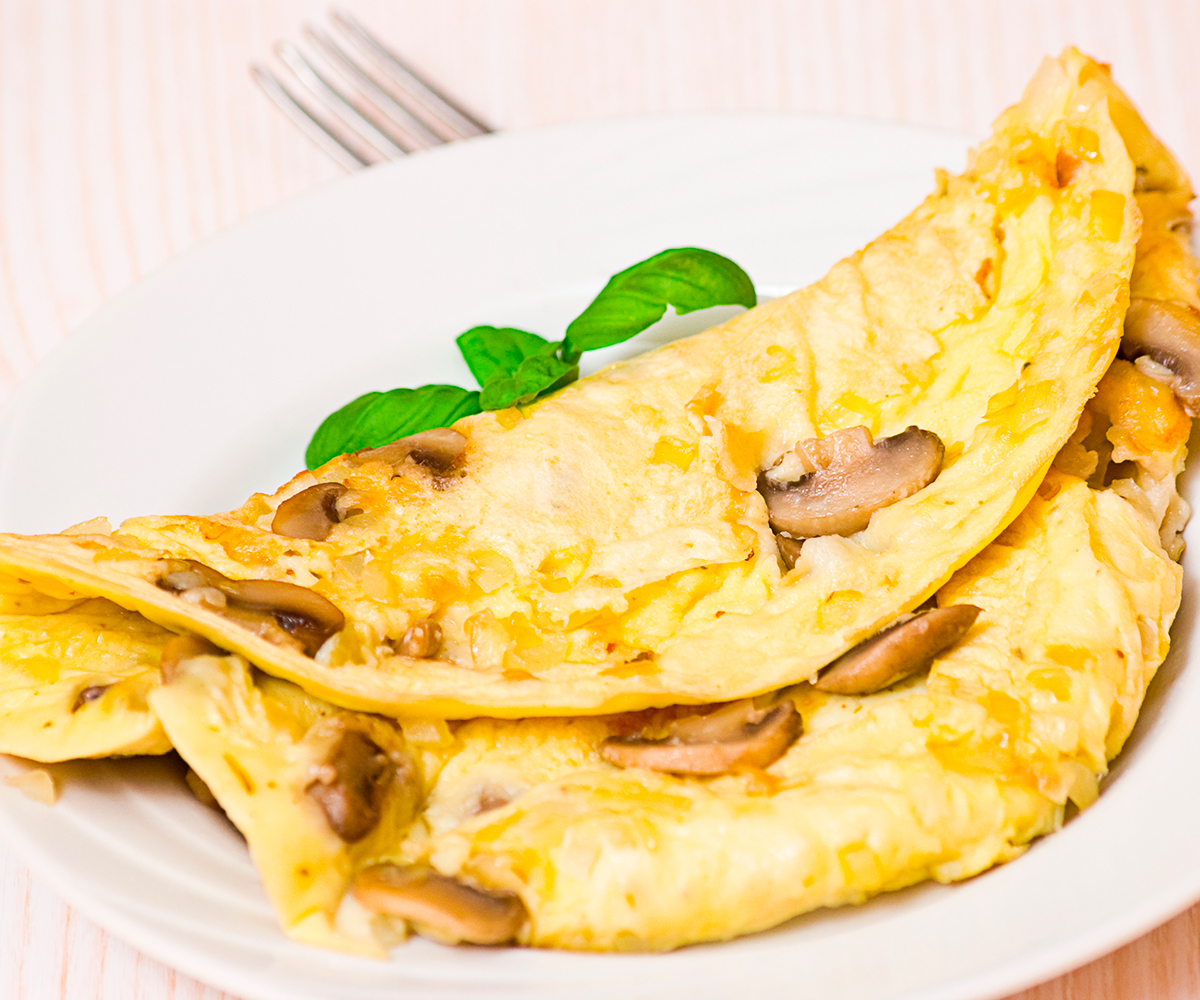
(130, 129)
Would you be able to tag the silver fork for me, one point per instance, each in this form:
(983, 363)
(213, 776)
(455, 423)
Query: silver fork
(356, 99)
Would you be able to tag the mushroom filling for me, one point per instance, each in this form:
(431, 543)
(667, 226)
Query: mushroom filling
(488, 798)
(313, 512)
(422, 640)
(738, 735)
(1167, 333)
(283, 613)
(899, 651)
(442, 907)
(832, 485)
(789, 549)
(184, 647)
(351, 784)
(438, 449)
(92, 692)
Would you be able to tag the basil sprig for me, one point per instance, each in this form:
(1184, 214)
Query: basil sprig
(379, 418)
(497, 351)
(688, 279)
(514, 367)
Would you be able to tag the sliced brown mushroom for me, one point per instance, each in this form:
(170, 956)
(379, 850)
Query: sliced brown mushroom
(844, 478)
(350, 785)
(184, 647)
(313, 512)
(442, 907)
(789, 549)
(93, 692)
(738, 735)
(899, 651)
(299, 611)
(1168, 333)
(487, 799)
(422, 640)
(438, 449)
(284, 613)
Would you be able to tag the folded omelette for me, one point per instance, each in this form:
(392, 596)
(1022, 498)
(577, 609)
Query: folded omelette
(528, 831)
(618, 545)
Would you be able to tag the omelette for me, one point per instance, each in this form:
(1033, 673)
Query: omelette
(529, 832)
(660, 532)
(926, 745)
(535, 831)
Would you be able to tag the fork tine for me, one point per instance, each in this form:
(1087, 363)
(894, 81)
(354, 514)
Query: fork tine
(411, 129)
(328, 95)
(291, 106)
(451, 116)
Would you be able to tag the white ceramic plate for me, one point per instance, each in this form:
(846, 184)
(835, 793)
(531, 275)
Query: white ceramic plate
(204, 382)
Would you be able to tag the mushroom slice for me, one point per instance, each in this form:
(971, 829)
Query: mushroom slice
(789, 549)
(738, 735)
(841, 480)
(489, 798)
(1168, 333)
(443, 907)
(284, 613)
(300, 612)
(438, 448)
(312, 512)
(184, 647)
(350, 784)
(899, 651)
(421, 640)
(93, 692)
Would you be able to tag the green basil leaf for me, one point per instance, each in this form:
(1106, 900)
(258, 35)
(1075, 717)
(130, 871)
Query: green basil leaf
(686, 278)
(492, 351)
(534, 376)
(379, 418)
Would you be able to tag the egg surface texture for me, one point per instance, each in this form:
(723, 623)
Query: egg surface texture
(938, 779)
(75, 673)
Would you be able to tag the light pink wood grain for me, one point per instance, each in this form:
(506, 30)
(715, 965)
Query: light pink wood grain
(130, 130)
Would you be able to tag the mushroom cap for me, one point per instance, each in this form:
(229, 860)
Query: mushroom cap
(1169, 333)
(303, 614)
(789, 549)
(421, 640)
(738, 735)
(184, 647)
(311, 513)
(351, 784)
(301, 611)
(850, 484)
(443, 907)
(88, 694)
(439, 448)
(899, 651)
